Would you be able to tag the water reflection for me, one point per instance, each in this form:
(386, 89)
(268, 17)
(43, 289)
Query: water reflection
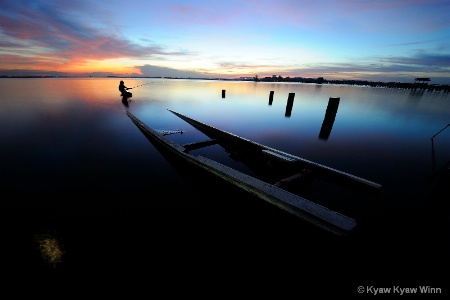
(50, 249)
(73, 133)
(125, 101)
(414, 97)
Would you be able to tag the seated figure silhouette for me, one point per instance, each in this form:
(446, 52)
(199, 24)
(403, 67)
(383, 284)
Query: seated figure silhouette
(123, 89)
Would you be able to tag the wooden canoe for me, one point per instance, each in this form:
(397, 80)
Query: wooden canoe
(280, 163)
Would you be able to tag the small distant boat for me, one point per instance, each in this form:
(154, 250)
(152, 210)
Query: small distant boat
(281, 169)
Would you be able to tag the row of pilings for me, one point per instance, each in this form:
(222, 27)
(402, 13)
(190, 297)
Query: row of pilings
(330, 113)
(421, 84)
(416, 86)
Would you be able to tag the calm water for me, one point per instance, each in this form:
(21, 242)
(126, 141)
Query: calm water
(76, 171)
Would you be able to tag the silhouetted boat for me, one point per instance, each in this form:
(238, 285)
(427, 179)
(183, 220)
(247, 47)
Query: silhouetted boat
(278, 169)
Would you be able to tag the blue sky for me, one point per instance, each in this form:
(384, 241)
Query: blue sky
(385, 40)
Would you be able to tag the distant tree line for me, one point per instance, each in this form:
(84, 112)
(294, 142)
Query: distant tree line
(321, 80)
(417, 85)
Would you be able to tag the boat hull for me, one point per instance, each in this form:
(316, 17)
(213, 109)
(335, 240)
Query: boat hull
(305, 209)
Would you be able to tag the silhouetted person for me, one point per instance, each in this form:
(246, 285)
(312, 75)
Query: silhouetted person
(123, 89)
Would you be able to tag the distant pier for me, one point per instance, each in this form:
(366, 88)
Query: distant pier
(420, 83)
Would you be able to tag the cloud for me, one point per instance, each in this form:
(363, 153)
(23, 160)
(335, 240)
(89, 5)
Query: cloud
(155, 71)
(213, 39)
(52, 37)
(423, 59)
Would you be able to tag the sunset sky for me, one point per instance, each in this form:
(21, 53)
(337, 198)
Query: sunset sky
(377, 40)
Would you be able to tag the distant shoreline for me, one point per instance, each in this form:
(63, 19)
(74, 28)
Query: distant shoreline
(319, 81)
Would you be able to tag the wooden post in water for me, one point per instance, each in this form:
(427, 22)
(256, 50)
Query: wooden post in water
(289, 104)
(330, 115)
(271, 98)
(223, 93)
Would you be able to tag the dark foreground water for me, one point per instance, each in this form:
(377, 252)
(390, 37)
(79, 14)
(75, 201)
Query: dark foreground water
(89, 203)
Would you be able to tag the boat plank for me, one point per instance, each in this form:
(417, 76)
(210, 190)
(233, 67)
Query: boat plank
(279, 155)
(201, 144)
(294, 204)
(294, 177)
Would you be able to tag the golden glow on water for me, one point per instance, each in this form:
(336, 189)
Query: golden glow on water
(50, 249)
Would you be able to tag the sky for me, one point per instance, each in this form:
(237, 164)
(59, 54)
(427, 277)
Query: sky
(373, 40)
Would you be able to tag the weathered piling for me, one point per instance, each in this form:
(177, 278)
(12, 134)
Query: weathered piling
(330, 116)
(271, 97)
(223, 93)
(289, 104)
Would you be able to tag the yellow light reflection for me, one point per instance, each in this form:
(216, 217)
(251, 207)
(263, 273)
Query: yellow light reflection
(50, 249)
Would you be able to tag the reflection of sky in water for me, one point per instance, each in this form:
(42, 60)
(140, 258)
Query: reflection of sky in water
(373, 127)
(69, 144)
(381, 122)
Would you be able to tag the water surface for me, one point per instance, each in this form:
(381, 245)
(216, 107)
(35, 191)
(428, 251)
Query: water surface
(76, 169)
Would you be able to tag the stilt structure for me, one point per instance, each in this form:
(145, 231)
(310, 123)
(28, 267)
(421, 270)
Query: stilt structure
(421, 83)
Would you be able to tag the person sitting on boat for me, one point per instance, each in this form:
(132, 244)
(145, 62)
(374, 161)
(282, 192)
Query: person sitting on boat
(123, 89)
